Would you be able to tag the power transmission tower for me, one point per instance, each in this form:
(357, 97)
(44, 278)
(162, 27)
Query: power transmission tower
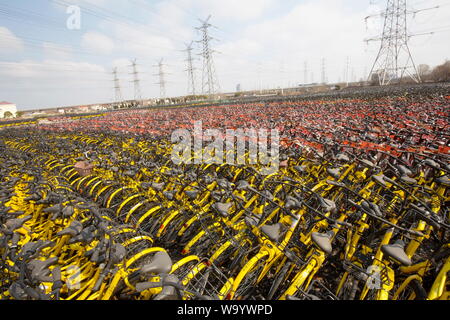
(136, 81)
(210, 84)
(259, 78)
(162, 81)
(324, 74)
(394, 59)
(347, 66)
(305, 72)
(118, 92)
(190, 69)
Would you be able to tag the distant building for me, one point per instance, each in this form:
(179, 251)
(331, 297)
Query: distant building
(7, 109)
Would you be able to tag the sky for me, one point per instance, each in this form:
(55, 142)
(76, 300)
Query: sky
(46, 61)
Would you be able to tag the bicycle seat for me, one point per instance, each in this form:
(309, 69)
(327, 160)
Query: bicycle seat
(130, 173)
(34, 197)
(342, 157)
(208, 179)
(118, 253)
(367, 163)
(73, 229)
(397, 252)
(85, 236)
(336, 183)
(335, 172)
(291, 203)
(432, 163)
(223, 183)
(376, 209)
(222, 208)
(14, 224)
(39, 269)
(217, 195)
(406, 179)
(169, 195)
(251, 221)
(16, 291)
(323, 240)
(300, 169)
(273, 231)
(4, 210)
(157, 186)
(191, 194)
(404, 170)
(161, 263)
(68, 211)
(267, 194)
(380, 180)
(54, 209)
(169, 292)
(328, 205)
(444, 181)
(242, 184)
(34, 247)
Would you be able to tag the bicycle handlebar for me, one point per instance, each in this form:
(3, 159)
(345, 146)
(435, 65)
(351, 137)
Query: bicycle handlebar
(415, 233)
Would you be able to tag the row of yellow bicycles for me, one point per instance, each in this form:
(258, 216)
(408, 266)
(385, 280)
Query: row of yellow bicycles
(342, 224)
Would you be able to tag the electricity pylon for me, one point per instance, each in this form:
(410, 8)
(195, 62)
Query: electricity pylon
(210, 84)
(394, 60)
(118, 92)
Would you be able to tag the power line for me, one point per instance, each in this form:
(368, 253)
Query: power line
(117, 18)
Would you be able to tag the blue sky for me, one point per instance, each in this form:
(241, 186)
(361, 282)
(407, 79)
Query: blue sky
(260, 44)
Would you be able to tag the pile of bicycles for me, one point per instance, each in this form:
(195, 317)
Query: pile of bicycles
(95, 208)
(343, 223)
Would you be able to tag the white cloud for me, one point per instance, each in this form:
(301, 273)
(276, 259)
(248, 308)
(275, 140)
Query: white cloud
(310, 31)
(9, 43)
(142, 42)
(121, 63)
(55, 51)
(258, 40)
(50, 68)
(97, 43)
(241, 10)
(53, 83)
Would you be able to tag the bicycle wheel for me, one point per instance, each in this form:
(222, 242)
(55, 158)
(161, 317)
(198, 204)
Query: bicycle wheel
(349, 288)
(280, 278)
(410, 290)
(245, 284)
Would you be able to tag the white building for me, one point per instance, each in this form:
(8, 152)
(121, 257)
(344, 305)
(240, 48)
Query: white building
(7, 107)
